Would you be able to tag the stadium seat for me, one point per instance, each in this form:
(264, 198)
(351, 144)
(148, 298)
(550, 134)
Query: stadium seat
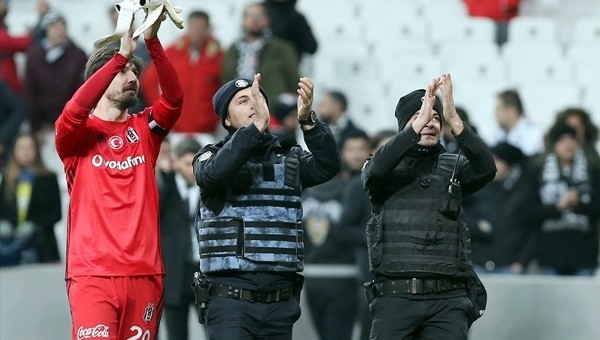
(467, 51)
(546, 70)
(324, 60)
(351, 68)
(400, 49)
(481, 69)
(403, 37)
(404, 74)
(587, 73)
(532, 29)
(324, 16)
(541, 102)
(372, 109)
(397, 31)
(385, 12)
(590, 100)
(586, 30)
(531, 50)
(466, 29)
(335, 32)
(438, 11)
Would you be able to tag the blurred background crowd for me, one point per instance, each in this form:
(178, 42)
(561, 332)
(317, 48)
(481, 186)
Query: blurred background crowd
(526, 75)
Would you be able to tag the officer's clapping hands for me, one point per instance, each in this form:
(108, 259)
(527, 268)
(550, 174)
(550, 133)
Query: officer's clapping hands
(261, 110)
(305, 97)
(450, 115)
(426, 111)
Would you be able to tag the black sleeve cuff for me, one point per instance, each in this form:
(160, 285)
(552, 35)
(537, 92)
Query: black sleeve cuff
(315, 130)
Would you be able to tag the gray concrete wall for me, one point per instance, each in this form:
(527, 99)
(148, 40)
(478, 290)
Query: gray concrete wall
(33, 305)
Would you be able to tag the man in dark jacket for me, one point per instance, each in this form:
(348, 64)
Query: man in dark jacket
(331, 290)
(289, 24)
(179, 198)
(497, 217)
(249, 222)
(418, 242)
(258, 51)
(13, 112)
(53, 72)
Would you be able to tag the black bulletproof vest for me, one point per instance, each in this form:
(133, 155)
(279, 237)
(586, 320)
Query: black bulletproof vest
(409, 236)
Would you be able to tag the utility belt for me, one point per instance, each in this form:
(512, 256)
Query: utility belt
(204, 290)
(404, 286)
(219, 290)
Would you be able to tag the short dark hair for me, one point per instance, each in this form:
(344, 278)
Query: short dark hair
(380, 136)
(199, 15)
(185, 146)
(511, 98)
(353, 134)
(339, 98)
(101, 56)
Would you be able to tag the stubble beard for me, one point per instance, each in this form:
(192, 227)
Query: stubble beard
(127, 102)
(123, 101)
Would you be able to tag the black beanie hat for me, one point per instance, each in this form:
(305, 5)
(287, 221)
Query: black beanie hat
(559, 130)
(409, 104)
(225, 94)
(508, 153)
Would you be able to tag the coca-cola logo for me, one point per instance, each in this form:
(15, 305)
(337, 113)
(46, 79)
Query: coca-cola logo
(98, 331)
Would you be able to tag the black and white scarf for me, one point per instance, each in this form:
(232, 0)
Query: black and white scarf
(249, 55)
(556, 181)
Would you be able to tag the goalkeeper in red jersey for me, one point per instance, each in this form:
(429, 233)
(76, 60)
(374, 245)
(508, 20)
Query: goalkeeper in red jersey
(114, 270)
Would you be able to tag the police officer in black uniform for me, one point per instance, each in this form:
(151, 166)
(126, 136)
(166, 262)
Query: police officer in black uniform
(249, 222)
(418, 243)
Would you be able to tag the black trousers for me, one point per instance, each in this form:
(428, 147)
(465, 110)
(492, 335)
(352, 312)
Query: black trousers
(228, 318)
(396, 318)
(333, 305)
(177, 315)
(176, 321)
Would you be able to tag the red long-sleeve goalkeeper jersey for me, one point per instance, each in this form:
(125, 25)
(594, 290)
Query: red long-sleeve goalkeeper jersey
(113, 212)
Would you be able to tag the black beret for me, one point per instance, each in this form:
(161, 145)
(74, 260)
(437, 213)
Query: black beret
(225, 94)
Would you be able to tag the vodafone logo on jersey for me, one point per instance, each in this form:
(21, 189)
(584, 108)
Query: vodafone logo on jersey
(115, 142)
(99, 161)
(98, 331)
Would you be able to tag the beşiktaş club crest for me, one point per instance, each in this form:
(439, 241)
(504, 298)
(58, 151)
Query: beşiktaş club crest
(132, 136)
(148, 313)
